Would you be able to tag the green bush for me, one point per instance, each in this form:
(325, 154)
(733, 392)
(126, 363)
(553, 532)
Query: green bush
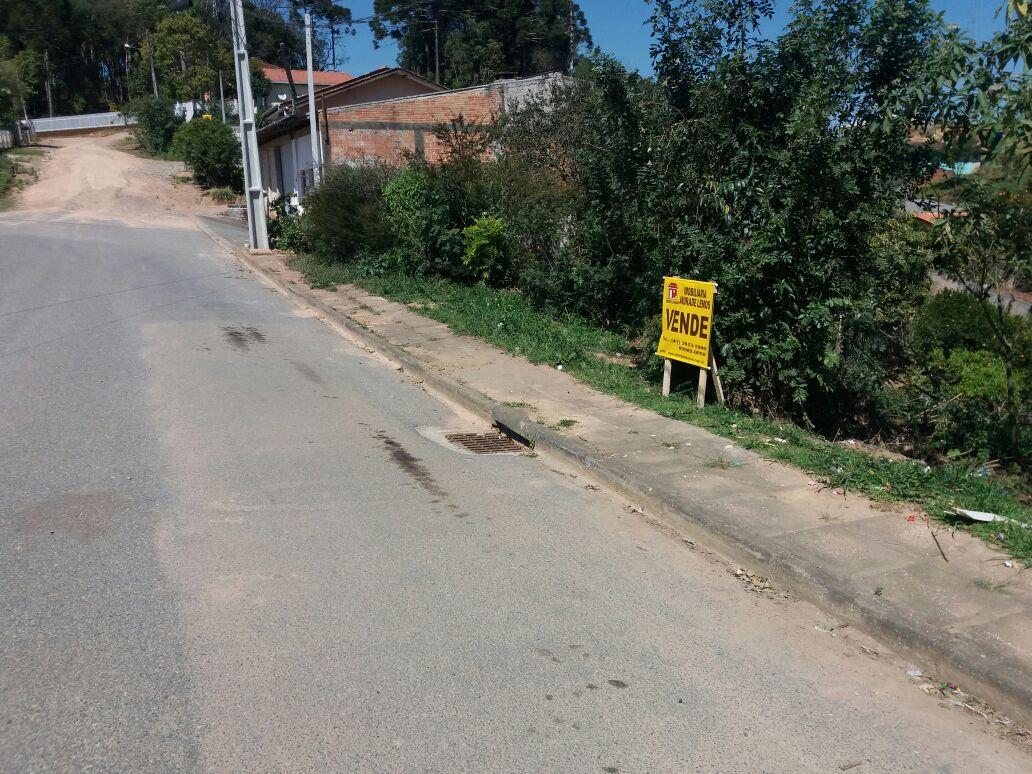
(345, 213)
(956, 407)
(223, 195)
(156, 123)
(421, 221)
(488, 248)
(7, 172)
(955, 319)
(288, 229)
(956, 398)
(211, 150)
(951, 320)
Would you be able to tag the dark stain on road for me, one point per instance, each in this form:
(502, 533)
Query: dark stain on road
(310, 374)
(546, 653)
(80, 515)
(242, 336)
(617, 683)
(411, 465)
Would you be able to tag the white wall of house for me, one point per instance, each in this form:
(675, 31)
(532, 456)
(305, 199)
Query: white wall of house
(283, 161)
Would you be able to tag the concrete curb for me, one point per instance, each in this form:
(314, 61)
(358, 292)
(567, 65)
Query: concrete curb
(982, 666)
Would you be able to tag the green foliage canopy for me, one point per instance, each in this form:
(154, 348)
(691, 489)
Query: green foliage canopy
(479, 38)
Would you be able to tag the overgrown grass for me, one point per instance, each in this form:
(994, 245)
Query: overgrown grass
(27, 150)
(9, 182)
(132, 146)
(223, 195)
(6, 175)
(507, 320)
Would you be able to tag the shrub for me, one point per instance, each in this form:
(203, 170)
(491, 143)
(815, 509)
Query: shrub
(212, 151)
(288, 229)
(156, 123)
(951, 320)
(957, 406)
(723, 175)
(7, 172)
(345, 214)
(421, 222)
(488, 248)
(223, 195)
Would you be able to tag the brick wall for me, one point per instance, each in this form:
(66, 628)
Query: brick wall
(389, 129)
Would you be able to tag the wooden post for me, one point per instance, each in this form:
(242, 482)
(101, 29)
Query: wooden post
(700, 399)
(667, 369)
(717, 386)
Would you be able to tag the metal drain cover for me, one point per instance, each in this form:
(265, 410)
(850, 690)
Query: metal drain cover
(485, 443)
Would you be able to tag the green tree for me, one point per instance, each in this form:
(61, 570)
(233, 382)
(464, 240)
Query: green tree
(276, 26)
(773, 167)
(188, 56)
(72, 54)
(980, 95)
(474, 40)
(11, 88)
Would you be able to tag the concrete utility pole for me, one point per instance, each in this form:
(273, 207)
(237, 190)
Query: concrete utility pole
(569, 35)
(437, 51)
(153, 75)
(222, 97)
(254, 192)
(313, 118)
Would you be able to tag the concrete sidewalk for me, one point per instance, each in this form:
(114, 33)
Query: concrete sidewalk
(831, 549)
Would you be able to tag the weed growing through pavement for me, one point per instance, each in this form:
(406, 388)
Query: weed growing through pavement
(723, 461)
(987, 585)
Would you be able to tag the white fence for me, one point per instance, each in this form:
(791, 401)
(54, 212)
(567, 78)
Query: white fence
(86, 121)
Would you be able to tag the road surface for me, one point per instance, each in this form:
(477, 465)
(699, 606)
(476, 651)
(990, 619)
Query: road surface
(231, 539)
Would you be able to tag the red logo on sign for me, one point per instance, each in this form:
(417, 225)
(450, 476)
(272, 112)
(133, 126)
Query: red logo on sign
(672, 291)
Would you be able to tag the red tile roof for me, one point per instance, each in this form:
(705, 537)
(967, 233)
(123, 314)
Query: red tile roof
(321, 77)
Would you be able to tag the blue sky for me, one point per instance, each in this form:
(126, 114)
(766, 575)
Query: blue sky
(618, 28)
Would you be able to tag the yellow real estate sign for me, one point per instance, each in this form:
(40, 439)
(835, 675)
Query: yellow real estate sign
(687, 321)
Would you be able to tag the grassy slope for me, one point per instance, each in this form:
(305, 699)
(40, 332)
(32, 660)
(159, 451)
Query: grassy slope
(508, 321)
(6, 176)
(9, 170)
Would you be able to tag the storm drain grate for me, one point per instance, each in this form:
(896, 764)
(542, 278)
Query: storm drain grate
(485, 443)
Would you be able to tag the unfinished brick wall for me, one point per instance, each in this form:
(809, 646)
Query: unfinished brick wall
(387, 130)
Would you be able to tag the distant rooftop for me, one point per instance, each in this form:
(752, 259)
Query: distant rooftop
(321, 77)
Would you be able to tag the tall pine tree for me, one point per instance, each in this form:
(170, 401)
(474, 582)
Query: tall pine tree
(470, 41)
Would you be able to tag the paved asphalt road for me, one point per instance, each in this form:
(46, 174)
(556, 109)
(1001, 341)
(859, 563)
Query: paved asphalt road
(229, 542)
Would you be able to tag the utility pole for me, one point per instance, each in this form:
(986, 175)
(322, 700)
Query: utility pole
(46, 81)
(153, 75)
(569, 35)
(313, 117)
(254, 192)
(437, 51)
(222, 98)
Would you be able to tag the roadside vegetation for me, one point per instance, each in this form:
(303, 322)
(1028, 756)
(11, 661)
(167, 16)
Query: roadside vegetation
(15, 172)
(7, 173)
(776, 168)
(510, 321)
(207, 146)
